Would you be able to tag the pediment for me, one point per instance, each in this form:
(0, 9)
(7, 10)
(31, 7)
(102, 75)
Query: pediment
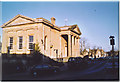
(17, 20)
(76, 29)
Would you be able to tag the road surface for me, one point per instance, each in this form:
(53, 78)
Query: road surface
(95, 71)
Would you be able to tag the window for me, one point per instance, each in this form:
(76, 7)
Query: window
(11, 42)
(30, 42)
(20, 42)
(45, 45)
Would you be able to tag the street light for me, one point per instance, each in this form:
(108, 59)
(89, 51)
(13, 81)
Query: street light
(112, 42)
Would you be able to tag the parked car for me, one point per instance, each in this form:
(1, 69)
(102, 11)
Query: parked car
(71, 62)
(71, 59)
(80, 62)
(76, 63)
(85, 62)
(78, 59)
(44, 70)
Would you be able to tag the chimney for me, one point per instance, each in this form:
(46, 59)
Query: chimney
(53, 20)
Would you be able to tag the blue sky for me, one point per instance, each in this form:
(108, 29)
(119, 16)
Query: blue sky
(96, 20)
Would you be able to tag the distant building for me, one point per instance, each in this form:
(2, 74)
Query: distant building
(21, 32)
(96, 53)
(116, 53)
(85, 52)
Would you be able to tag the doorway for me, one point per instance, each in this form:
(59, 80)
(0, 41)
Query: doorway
(65, 45)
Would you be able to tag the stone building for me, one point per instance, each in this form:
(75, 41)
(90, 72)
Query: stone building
(96, 53)
(21, 32)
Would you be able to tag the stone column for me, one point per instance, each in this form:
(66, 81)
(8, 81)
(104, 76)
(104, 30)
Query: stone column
(15, 42)
(72, 45)
(75, 46)
(69, 45)
(78, 47)
(4, 41)
(25, 41)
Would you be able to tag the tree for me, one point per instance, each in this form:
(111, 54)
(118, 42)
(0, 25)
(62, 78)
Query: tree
(37, 48)
(37, 55)
(83, 45)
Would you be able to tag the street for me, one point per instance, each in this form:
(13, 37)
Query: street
(94, 71)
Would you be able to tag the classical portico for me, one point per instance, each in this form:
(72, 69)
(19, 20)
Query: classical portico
(71, 41)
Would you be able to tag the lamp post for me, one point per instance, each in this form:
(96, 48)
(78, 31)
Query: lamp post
(112, 42)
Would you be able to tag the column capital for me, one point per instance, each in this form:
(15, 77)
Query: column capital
(69, 34)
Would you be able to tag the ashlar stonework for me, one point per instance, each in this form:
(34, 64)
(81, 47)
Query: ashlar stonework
(21, 32)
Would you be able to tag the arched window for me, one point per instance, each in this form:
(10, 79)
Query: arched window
(45, 43)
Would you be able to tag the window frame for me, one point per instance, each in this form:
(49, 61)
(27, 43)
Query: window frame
(20, 43)
(31, 42)
(10, 43)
